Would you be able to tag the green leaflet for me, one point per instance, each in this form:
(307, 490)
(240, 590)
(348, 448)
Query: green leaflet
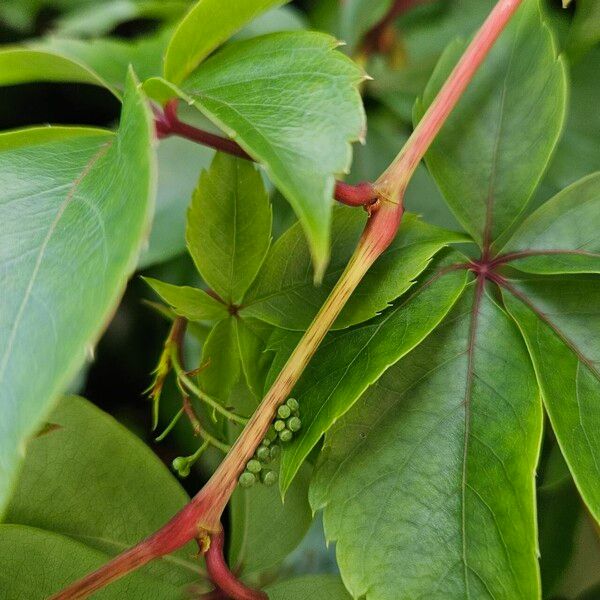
(284, 293)
(23, 65)
(96, 483)
(493, 149)
(348, 362)
(447, 508)
(192, 303)
(228, 228)
(264, 529)
(577, 153)
(205, 27)
(300, 107)
(83, 199)
(220, 360)
(309, 587)
(35, 564)
(563, 235)
(108, 59)
(560, 321)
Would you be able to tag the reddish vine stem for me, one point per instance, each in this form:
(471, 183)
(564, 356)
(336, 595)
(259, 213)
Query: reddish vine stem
(202, 516)
(221, 575)
(167, 123)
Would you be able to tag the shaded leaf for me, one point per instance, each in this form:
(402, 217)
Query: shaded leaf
(264, 530)
(35, 564)
(109, 59)
(585, 30)
(252, 341)
(560, 320)
(75, 208)
(433, 468)
(285, 295)
(192, 303)
(493, 149)
(229, 226)
(128, 493)
(205, 27)
(348, 362)
(24, 65)
(220, 360)
(309, 587)
(563, 235)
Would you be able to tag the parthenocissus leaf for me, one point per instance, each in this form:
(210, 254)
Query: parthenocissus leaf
(75, 209)
(92, 480)
(204, 28)
(494, 147)
(433, 468)
(349, 361)
(296, 113)
(284, 293)
(560, 320)
(228, 228)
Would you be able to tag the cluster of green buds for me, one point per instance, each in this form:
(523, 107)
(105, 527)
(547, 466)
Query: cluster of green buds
(283, 429)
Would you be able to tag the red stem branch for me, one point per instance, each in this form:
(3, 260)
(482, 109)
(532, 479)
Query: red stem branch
(202, 515)
(221, 575)
(167, 123)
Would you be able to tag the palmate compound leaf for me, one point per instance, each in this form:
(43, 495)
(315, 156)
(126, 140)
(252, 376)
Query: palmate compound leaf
(560, 321)
(493, 149)
(427, 484)
(285, 295)
(89, 489)
(349, 361)
(228, 228)
(563, 235)
(75, 208)
(205, 27)
(291, 101)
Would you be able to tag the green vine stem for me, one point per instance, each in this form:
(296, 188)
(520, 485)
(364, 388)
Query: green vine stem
(201, 517)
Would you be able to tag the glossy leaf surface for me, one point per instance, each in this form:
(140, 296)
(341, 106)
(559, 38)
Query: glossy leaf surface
(447, 508)
(491, 152)
(560, 320)
(75, 209)
(229, 226)
(127, 495)
(301, 108)
(563, 235)
(284, 293)
(348, 362)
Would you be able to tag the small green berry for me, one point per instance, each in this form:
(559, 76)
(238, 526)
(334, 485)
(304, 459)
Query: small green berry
(266, 442)
(271, 434)
(254, 466)
(279, 425)
(285, 435)
(268, 477)
(294, 424)
(247, 480)
(263, 454)
(293, 404)
(284, 411)
(275, 451)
